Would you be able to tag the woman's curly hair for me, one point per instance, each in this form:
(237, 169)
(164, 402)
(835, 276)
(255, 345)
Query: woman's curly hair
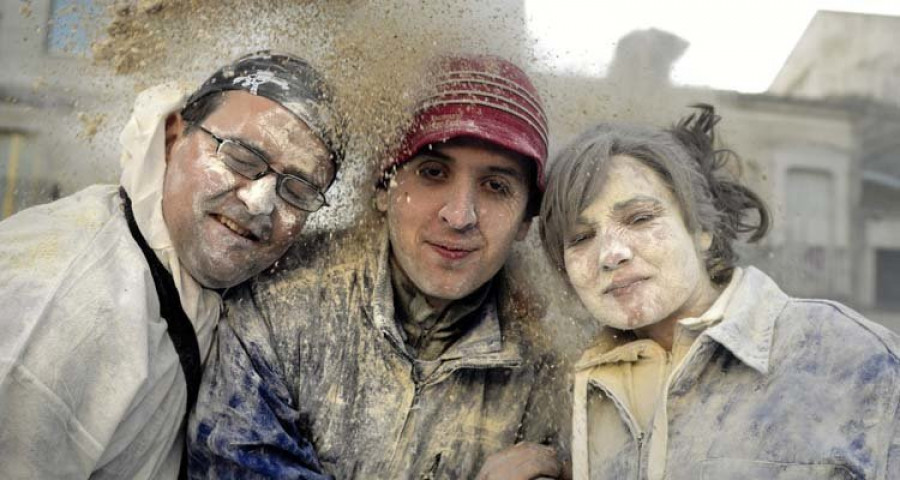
(731, 201)
(687, 159)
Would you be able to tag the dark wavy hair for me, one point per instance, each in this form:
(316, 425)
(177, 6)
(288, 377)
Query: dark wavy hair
(687, 159)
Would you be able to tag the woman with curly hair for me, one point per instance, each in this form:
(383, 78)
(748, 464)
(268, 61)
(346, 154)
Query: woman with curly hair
(704, 369)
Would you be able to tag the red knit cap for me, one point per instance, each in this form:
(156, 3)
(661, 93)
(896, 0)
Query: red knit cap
(482, 97)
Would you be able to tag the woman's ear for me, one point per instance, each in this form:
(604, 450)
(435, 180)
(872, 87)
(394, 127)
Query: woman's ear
(174, 131)
(704, 241)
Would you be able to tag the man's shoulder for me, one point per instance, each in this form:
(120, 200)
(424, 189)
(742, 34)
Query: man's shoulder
(85, 210)
(523, 315)
(324, 251)
(71, 274)
(43, 240)
(320, 259)
(310, 291)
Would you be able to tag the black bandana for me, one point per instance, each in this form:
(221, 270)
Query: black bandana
(289, 81)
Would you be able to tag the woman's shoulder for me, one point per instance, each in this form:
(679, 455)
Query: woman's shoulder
(840, 327)
(804, 331)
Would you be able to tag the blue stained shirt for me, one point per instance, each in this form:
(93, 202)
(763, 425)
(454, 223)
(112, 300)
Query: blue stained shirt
(264, 443)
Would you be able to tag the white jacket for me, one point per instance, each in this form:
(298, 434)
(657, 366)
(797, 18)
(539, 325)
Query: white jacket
(90, 383)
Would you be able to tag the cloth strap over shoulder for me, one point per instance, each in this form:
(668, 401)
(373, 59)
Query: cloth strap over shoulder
(180, 328)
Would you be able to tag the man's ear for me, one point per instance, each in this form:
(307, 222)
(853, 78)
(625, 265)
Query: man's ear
(523, 229)
(381, 199)
(174, 130)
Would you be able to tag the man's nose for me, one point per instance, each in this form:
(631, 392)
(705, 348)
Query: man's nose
(614, 253)
(259, 195)
(460, 210)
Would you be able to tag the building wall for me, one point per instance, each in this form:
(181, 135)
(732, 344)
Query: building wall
(70, 110)
(844, 54)
(855, 57)
(806, 157)
(54, 139)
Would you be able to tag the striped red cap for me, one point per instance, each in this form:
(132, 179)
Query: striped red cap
(482, 97)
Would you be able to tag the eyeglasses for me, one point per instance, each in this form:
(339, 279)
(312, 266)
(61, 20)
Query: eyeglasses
(243, 160)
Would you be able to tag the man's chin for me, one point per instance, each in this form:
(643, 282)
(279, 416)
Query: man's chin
(449, 293)
(216, 283)
(447, 285)
(217, 279)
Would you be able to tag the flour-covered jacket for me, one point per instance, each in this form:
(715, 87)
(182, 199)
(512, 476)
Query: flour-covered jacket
(90, 383)
(780, 388)
(315, 354)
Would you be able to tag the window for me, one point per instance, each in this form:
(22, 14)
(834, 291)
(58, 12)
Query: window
(10, 160)
(887, 281)
(810, 204)
(21, 184)
(67, 31)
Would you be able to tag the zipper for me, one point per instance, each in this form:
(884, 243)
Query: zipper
(674, 371)
(662, 406)
(441, 373)
(413, 405)
(637, 434)
(640, 451)
(664, 394)
(425, 338)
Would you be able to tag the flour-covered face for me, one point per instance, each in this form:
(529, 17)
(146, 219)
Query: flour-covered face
(225, 227)
(630, 257)
(453, 214)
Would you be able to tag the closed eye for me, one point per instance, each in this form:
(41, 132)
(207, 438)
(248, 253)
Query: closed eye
(238, 160)
(640, 218)
(578, 238)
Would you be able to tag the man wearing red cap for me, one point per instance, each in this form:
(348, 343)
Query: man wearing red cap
(410, 353)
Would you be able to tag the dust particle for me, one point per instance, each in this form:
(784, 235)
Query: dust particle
(25, 9)
(90, 124)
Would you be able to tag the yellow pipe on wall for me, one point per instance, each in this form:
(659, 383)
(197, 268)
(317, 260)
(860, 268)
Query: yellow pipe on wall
(12, 170)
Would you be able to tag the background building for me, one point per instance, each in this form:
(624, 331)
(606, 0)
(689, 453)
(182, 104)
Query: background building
(852, 60)
(822, 144)
(50, 99)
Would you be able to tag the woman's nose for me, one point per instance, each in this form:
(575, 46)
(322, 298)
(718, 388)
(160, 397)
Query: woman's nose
(614, 253)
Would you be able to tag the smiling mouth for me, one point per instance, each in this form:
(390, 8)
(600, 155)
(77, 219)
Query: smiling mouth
(234, 227)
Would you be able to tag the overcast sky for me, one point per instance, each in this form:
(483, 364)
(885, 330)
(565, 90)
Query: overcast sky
(734, 44)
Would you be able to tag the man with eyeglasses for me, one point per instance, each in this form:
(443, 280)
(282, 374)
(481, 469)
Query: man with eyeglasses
(111, 295)
(408, 351)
